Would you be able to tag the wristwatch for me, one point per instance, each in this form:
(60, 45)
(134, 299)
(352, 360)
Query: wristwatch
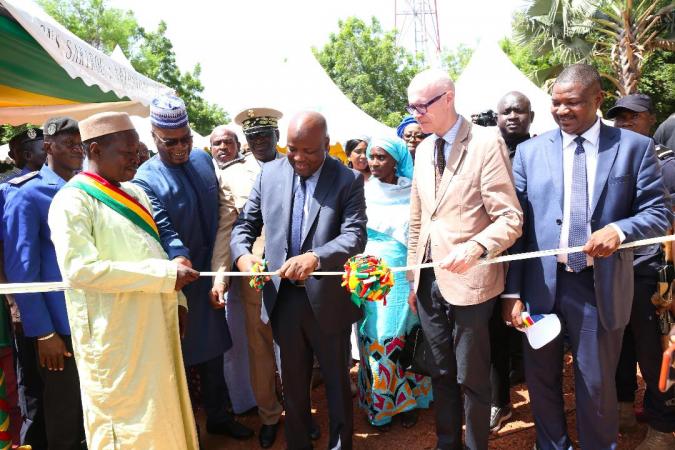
(318, 260)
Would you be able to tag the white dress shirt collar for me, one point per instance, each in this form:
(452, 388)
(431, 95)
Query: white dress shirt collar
(451, 134)
(592, 136)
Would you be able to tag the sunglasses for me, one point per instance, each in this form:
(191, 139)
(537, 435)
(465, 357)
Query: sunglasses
(262, 134)
(185, 140)
(422, 108)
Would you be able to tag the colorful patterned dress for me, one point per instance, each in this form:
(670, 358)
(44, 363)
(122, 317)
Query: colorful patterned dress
(384, 388)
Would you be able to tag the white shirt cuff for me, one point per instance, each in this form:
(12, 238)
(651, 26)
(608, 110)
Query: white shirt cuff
(510, 295)
(622, 237)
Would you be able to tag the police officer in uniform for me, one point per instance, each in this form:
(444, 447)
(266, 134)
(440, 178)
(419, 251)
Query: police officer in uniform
(26, 149)
(641, 340)
(236, 181)
(30, 257)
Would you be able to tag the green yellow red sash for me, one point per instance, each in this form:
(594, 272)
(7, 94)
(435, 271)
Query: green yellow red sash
(118, 200)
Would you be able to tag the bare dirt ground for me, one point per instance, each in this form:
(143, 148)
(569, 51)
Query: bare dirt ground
(518, 434)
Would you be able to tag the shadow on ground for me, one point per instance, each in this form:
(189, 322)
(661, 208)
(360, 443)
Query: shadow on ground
(516, 435)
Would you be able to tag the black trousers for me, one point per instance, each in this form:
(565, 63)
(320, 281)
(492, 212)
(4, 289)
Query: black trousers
(506, 354)
(214, 395)
(63, 404)
(30, 393)
(499, 355)
(459, 339)
(300, 337)
(641, 344)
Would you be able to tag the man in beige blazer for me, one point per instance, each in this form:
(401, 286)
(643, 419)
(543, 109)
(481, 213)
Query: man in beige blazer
(236, 180)
(463, 206)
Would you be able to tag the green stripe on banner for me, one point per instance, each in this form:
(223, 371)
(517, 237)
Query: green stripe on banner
(25, 65)
(116, 206)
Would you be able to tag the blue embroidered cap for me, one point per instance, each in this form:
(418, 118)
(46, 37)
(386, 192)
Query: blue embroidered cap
(168, 111)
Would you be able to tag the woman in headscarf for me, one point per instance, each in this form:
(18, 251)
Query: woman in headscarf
(385, 389)
(411, 132)
(356, 155)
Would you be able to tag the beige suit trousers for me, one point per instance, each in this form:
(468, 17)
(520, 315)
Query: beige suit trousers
(262, 365)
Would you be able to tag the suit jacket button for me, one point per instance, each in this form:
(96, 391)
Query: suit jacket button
(558, 221)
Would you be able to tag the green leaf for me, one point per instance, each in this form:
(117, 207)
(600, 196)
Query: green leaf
(366, 64)
(150, 52)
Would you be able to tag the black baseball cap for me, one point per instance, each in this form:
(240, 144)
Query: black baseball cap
(634, 102)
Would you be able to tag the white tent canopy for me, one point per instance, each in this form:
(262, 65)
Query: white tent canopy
(79, 60)
(297, 82)
(489, 75)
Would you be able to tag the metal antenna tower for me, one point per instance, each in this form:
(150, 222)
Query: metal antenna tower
(416, 21)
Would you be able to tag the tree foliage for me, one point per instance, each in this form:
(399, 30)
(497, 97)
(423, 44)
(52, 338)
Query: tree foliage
(454, 61)
(368, 66)
(151, 53)
(617, 35)
(550, 34)
(657, 81)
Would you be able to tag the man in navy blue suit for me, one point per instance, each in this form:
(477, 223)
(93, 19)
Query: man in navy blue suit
(318, 215)
(584, 184)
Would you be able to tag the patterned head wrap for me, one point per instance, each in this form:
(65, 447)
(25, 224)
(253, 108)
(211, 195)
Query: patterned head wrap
(168, 111)
(398, 150)
(407, 120)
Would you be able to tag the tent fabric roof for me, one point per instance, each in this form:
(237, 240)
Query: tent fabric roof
(78, 111)
(297, 82)
(79, 59)
(489, 75)
(26, 66)
(45, 70)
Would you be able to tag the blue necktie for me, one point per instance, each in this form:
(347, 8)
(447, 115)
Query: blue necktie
(578, 233)
(297, 217)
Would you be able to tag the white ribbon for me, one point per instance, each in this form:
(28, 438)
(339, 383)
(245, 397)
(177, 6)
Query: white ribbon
(29, 288)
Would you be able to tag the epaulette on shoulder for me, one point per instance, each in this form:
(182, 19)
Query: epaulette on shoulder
(18, 181)
(663, 152)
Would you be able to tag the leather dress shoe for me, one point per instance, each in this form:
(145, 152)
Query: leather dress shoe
(229, 427)
(267, 435)
(314, 431)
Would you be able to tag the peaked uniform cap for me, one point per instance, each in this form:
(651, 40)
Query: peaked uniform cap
(255, 119)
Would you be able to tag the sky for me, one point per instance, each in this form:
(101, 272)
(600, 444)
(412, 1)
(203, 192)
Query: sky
(237, 40)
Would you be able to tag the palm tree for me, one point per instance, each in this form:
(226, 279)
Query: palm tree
(616, 34)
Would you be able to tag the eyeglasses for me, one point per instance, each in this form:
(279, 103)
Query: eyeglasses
(423, 107)
(185, 140)
(414, 136)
